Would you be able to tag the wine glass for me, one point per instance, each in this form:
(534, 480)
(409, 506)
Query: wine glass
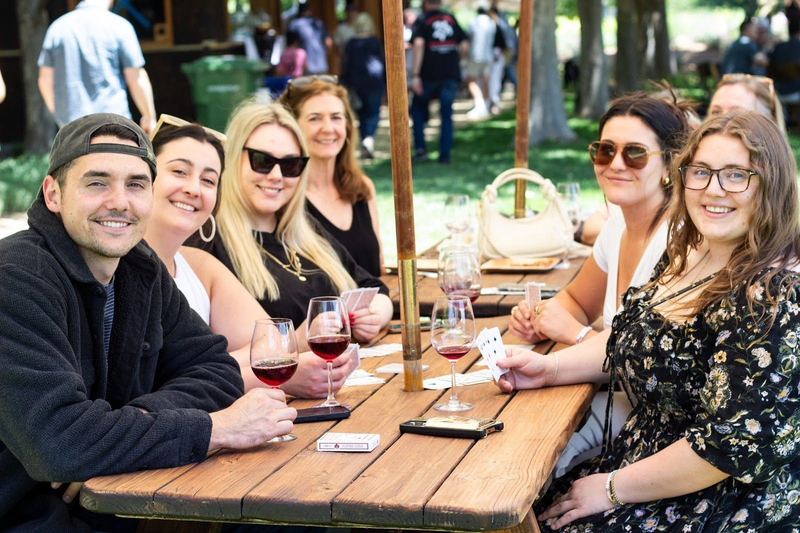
(457, 216)
(328, 334)
(461, 274)
(274, 355)
(452, 335)
(571, 194)
(444, 251)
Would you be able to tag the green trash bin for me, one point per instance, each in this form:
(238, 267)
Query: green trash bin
(219, 83)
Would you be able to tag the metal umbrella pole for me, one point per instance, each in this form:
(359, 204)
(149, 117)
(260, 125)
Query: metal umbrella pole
(403, 192)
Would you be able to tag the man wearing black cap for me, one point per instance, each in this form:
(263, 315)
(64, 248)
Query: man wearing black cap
(105, 368)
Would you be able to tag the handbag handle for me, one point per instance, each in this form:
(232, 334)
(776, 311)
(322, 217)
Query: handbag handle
(545, 185)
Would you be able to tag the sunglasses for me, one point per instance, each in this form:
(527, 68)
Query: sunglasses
(172, 121)
(302, 81)
(263, 163)
(635, 155)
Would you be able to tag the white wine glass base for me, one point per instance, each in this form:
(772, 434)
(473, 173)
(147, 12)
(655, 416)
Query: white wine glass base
(453, 405)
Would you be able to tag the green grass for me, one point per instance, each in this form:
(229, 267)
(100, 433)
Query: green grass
(20, 179)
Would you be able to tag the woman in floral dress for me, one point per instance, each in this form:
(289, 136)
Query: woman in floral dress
(708, 352)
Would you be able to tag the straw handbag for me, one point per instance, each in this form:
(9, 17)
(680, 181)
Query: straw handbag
(548, 233)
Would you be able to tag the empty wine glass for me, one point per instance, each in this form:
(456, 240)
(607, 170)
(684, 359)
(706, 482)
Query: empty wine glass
(452, 335)
(274, 355)
(461, 274)
(457, 216)
(571, 194)
(328, 334)
(444, 251)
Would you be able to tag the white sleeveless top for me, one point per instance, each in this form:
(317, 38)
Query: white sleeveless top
(606, 255)
(192, 288)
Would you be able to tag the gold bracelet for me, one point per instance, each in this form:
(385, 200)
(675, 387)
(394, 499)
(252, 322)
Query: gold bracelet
(555, 374)
(611, 493)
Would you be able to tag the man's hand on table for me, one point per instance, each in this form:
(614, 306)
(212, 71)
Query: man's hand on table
(528, 370)
(252, 420)
(311, 378)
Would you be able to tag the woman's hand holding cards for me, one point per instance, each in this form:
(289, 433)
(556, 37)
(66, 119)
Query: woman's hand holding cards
(527, 370)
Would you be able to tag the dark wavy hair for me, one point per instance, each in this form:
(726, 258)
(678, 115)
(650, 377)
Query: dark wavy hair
(668, 122)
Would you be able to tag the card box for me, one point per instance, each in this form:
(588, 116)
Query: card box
(348, 442)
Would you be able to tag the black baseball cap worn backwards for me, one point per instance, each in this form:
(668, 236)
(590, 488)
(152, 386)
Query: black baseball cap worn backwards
(74, 140)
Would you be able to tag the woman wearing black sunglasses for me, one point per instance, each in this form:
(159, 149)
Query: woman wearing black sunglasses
(638, 135)
(339, 195)
(264, 235)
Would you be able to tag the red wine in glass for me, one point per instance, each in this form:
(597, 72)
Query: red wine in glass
(328, 334)
(274, 372)
(452, 335)
(472, 294)
(274, 355)
(461, 274)
(452, 353)
(329, 347)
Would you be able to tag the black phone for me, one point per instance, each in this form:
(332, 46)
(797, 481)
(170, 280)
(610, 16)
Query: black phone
(319, 414)
(424, 325)
(459, 427)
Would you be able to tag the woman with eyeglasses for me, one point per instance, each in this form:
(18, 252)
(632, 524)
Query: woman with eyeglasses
(264, 235)
(749, 93)
(709, 352)
(190, 162)
(339, 195)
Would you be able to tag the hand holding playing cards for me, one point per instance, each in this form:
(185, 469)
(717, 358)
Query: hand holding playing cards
(365, 324)
(311, 378)
(520, 324)
(527, 370)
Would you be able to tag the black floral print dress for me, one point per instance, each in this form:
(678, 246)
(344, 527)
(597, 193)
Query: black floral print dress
(730, 390)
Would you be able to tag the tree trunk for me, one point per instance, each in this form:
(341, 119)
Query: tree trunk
(593, 76)
(644, 14)
(663, 60)
(627, 61)
(39, 123)
(548, 120)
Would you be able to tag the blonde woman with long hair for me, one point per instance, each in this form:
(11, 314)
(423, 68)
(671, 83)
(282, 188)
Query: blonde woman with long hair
(264, 235)
(749, 93)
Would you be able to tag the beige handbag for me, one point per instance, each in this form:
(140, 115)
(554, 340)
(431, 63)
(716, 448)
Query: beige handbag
(548, 233)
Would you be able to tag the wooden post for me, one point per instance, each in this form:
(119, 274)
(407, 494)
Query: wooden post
(523, 100)
(403, 192)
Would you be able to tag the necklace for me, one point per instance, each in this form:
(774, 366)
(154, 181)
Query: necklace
(294, 267)
(668, 288)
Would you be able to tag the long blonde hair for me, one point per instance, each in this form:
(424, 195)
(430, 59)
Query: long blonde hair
(764, 89)
(236, 214)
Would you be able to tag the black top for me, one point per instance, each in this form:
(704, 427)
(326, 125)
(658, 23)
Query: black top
(788, 52)
(295, 293)
(442, 36)
(363, 65)
(360, 240)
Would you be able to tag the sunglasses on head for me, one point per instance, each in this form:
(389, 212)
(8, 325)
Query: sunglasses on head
(263, 163)
(165, 121)
(635, 155)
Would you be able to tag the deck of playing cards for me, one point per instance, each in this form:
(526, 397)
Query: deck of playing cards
(358, 299)
(348, 442)
(491, 347)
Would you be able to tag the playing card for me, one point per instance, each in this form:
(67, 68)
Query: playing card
(491, 347)
(533, 294)
(395, 368)
(357, 299)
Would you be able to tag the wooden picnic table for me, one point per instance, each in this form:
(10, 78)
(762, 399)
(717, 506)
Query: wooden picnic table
(409, 481)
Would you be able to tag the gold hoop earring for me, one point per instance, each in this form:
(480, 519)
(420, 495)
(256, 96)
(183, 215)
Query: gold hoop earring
(213, 230)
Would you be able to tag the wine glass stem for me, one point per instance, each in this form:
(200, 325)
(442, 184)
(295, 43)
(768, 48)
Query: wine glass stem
(330, 385)
(453, 393)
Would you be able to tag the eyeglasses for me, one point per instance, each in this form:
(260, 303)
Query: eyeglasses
(263, 163)
(635, 155)
(697, 178)
(175, 122)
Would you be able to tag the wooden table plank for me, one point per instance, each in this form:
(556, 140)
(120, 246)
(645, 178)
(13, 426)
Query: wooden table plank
(472, 499)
